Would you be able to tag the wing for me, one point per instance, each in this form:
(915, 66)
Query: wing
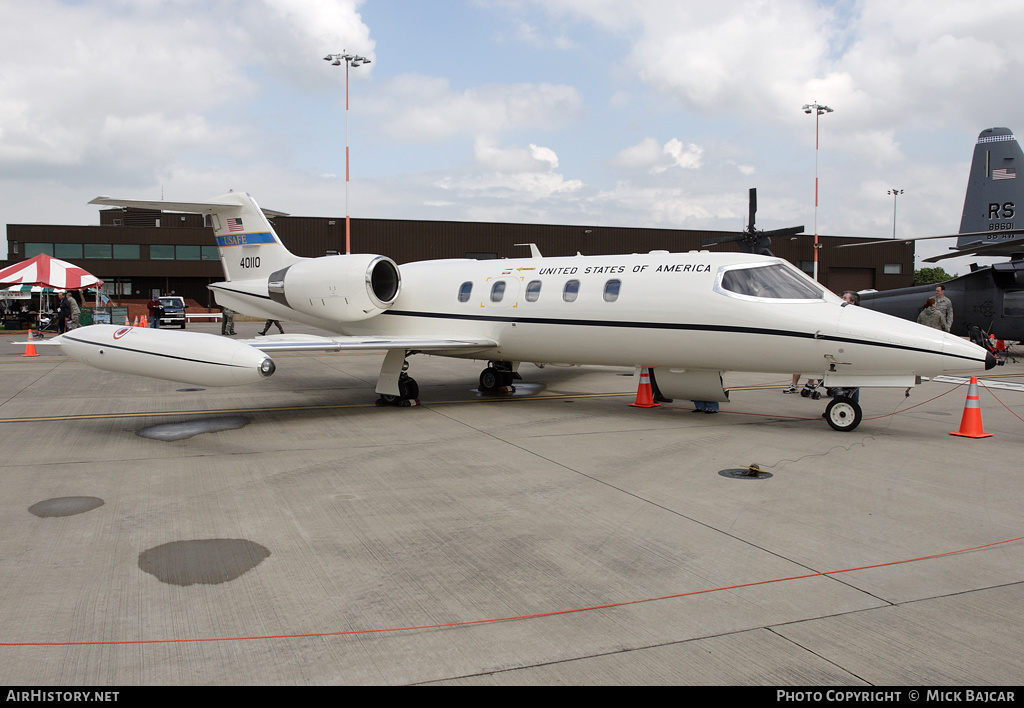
(311, 342)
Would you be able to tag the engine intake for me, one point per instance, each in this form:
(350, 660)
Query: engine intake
(341, 288)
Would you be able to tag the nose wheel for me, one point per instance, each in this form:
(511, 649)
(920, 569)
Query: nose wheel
(843, 414)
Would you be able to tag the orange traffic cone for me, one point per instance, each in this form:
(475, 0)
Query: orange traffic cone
(136, 323)
(644, 392)
(126, 322)
(143, 322)
(30, 350)
(970, 424)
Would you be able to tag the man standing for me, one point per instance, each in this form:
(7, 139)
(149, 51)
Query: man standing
(155, 312)
(945, 306)
(63, 312)
(76, 311)
(227, 321)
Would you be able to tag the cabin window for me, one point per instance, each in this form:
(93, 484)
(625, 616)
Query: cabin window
(1013, 303)
(498, 291)
(773, 281)
(611, 290)
(571, 291)
(465, 290)
(533, 291)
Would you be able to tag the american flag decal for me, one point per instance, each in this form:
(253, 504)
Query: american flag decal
(1005, 173)
(234, 224)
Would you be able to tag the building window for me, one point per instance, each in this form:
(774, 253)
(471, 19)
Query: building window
(465, 291)
(67, 251)
(611, 290)
(533, 291)
(98, 250)
(34, 249)
(161, 253)
(127, 251)
(211, 253)
(117, 288)
(571, 291)
(187, 253)
(892, 268)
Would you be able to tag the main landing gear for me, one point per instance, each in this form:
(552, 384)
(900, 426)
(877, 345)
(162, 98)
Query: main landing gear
(498, 378)
(408, 392)
(395, 386)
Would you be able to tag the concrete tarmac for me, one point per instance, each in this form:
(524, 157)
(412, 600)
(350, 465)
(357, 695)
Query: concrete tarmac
(295, 533)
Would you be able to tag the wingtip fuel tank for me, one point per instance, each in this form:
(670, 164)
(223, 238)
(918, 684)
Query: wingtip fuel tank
(189, 357)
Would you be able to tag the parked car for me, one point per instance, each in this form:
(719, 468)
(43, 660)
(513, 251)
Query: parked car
(174, 311)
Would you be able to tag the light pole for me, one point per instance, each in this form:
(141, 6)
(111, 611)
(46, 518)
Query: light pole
(817, 109)
(895, 193)
(353, 60)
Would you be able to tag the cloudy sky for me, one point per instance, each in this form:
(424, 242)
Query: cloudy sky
(657, 113)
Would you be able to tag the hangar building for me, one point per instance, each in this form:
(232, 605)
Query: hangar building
(137, 251)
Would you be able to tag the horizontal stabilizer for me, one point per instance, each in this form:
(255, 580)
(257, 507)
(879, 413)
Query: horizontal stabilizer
(188, 207)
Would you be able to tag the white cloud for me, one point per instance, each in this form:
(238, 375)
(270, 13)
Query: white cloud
(535, 158)
(128, 88)
(650, 156)
(686, 156)
(415, 108)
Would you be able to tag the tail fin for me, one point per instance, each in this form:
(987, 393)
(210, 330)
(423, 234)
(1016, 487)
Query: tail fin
(249, 247)
(993, 190)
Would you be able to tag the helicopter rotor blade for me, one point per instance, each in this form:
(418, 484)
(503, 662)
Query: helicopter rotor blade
(723, 239)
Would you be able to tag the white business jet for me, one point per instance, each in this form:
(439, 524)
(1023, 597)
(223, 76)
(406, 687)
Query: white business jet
(687, 316)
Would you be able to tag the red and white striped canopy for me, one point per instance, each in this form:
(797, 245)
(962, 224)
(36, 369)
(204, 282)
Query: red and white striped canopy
(49, 272)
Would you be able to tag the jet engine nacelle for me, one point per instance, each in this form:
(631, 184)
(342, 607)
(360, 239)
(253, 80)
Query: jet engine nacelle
(340, 288)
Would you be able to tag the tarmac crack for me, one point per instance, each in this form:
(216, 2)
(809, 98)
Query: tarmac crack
(642, 499)
(28, 384)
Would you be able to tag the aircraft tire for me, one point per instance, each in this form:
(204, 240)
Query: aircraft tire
(409, 389)
(490, 380)
(843, 414)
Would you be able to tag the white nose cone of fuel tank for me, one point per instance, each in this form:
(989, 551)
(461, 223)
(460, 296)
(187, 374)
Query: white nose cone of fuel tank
(189, 357)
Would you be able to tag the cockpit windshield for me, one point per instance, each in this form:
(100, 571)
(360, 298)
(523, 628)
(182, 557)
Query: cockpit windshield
(773, 281)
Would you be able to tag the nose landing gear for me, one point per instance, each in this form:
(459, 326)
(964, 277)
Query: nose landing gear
(843, 414)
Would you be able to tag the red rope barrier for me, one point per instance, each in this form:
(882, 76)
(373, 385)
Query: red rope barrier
(553, 613)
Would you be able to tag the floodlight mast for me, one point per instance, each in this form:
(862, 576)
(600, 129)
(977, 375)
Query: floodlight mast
(817, 109)
(895, 193)
(353, 60)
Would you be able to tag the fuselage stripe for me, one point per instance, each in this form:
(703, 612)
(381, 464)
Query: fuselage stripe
(670, 326)
(245, 239)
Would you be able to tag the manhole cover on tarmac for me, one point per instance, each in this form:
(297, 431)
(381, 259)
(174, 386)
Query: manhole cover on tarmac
(180, 431)
(205, 561)
(745, 473)
(65, 506)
